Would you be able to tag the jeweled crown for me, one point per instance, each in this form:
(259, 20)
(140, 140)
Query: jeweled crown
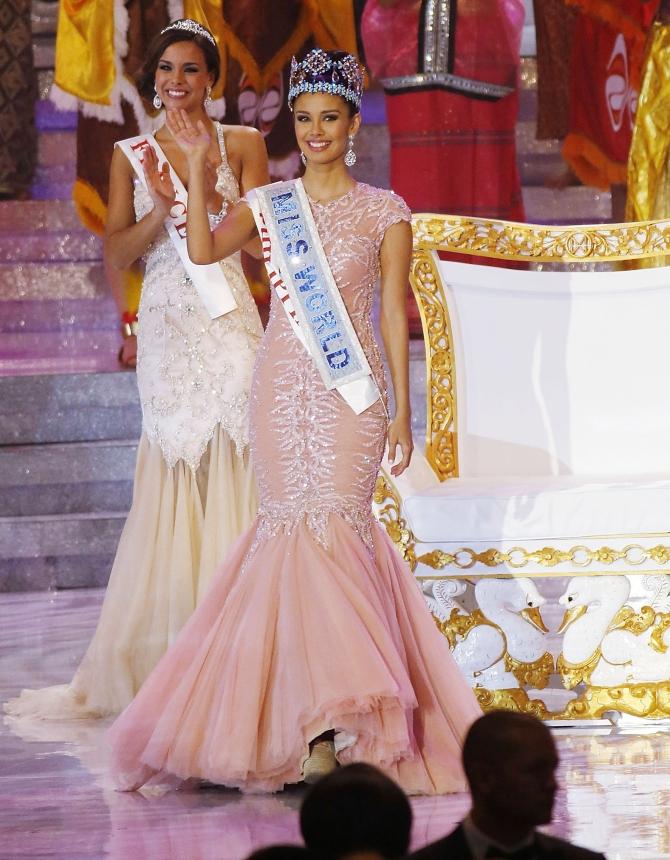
(321, 72)
(190, 26)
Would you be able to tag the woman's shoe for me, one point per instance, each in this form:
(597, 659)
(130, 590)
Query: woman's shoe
(320, 761)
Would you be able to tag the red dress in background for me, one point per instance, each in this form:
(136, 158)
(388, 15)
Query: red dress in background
(452, 153)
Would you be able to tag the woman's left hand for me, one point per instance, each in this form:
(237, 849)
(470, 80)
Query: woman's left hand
(400, 435)
(193, 140)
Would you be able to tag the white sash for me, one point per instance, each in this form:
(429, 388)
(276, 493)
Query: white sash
(304, 283)
(209, 280)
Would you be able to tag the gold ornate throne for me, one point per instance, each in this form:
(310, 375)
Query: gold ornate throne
(537, 523)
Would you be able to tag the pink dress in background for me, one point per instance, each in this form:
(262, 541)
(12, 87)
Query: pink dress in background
(313, 622)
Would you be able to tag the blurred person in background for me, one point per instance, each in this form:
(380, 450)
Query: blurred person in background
(18, 91)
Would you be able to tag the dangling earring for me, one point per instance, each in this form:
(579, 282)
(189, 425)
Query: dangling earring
(350, 157)
(303, 159)
(158, 104)
(208, 97)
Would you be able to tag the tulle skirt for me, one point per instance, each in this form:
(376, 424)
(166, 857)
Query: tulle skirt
(292, 641)
(180, 526)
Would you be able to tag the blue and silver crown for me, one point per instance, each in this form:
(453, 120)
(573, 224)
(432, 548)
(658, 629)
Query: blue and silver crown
(337, 73)
(190, 26)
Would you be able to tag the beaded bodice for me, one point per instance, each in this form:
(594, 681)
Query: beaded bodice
(193, 372)
(313, 455)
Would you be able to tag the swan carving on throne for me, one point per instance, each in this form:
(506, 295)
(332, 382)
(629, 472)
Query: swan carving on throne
(501, 644)
(607, 643)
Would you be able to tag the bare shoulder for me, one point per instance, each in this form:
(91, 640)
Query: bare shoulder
(121, 170)
(243, 132)
(120, 161)
(241, 137)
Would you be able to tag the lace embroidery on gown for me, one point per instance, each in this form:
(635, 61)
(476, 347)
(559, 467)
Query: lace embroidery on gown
(304, 473)
(193, 372)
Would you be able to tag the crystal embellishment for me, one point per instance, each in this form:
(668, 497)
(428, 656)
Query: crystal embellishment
(320, 73)
(190, 26)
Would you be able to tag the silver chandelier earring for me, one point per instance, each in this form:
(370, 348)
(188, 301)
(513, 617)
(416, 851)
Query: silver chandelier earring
(303, 159)
(350, 157)
(158, 104)
(208, 96)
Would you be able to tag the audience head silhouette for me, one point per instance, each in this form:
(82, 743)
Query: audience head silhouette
(280, 852)
(356, 811)
(510, 763)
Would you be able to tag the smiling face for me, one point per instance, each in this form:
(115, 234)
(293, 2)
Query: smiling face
(323, 124)
(182, 76)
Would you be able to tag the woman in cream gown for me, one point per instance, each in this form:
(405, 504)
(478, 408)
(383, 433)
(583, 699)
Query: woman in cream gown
(194, 490)
(314, 639)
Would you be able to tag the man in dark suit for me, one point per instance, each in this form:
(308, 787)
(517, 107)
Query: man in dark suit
(510, 763)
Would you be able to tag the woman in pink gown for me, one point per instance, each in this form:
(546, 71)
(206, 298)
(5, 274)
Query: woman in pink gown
(314, 639)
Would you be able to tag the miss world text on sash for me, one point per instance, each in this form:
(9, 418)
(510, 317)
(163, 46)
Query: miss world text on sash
(311, 297)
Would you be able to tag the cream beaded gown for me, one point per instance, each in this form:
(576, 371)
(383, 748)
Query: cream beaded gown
(313, 622)
(194, 490)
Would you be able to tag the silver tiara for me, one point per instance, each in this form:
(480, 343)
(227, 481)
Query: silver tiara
(190, 26)
(320, 73)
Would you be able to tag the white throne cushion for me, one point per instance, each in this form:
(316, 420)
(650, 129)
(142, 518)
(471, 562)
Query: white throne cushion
(494, 510)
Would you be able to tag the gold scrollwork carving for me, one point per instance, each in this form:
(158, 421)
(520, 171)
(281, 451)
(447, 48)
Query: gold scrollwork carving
(656, 637)
(650, 701)
(660, 554)
(518, 557)
(441, 448)
(389, 515)
(460, 624)
(437, 559)
(510, 700)
(647, 699)
(505, 240)
(635, 622)
(535, 674)
(573, 674)
(639, 700)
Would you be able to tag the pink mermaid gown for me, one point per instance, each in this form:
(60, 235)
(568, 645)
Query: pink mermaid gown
(313, 622)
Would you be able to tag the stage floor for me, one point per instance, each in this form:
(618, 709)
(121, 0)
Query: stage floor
(614, 797)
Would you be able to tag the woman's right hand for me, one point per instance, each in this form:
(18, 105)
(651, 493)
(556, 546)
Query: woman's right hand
(159, 183)
(193, 140)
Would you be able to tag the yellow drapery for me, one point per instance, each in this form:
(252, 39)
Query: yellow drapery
(331, 25)
(208, 13)
(85, 63)
(648, 175)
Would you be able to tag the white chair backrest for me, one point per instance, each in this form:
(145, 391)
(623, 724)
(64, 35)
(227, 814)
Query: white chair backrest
(560, 372)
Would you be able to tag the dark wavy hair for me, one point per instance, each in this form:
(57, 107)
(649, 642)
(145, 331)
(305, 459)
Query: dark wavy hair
(158, 46)
(356, 808)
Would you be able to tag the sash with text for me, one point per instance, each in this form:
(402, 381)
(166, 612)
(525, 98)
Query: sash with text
(303, 281)
(209, 280)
